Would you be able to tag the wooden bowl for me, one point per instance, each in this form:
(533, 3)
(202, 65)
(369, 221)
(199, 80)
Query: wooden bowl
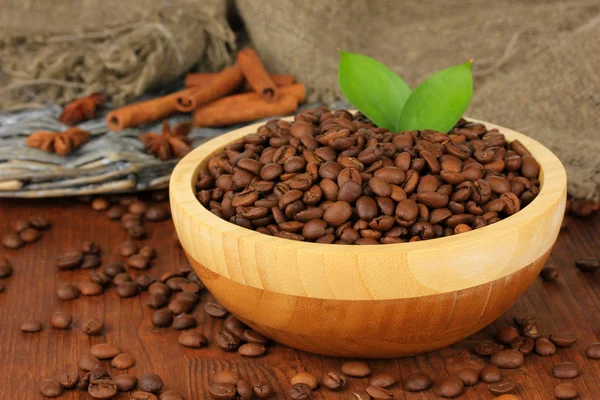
(375, 301)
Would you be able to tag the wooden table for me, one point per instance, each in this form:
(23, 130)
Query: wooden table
(569, 305)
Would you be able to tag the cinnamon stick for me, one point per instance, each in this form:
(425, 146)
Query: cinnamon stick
(203, 78)
(251, 110)
(297, 90)
(224, 83)
(143, 111)
(255, 73)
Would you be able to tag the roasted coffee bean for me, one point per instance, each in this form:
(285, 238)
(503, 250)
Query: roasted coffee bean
(88, 363)
(227, 341)
(90, 288)
(30, 235)
(356, 369)
(157, 301)
(528, 326)
(507, 334)
(156, 213)
(20, 225)
(469, 376)
(450, 386)
(305, 378)
(103, 351)
(193, 340)
(137, 232)
(490, 374)
(125, 382)
(562, 340)
(141, 395)
(99, 373)
(90, 261)
(144, 281)
(92, 326)
(549, 272)
(251, 336)
(226, 377)
(222, 391)
(151, 383)
(215, 310)
(115, 212)
(71, 259)
(593, 351)
(138, 261)
(235, 326)
(262, 390)
(68, 291)
(379, 393)
(128, 248)
(501, 388)
(102, 389)
(173, 395)
(382, 380)
(6, 268)
(181, 306)
(299, 391)
(121, 278)
(565, 370)
(148, 252)
(122, 361)
(487, 348)
(252, 350)
(12, 241)
(51, 388)
(39, 222)
(565, 391)
(588, 264)
(524, 345)
(175, 283)
(544, 347)
(60, 320)
(128, 289)
(159, 288)
(113, 268)
(417, 382)
(84, 381)
(100, 204)
(244, 390)
(184, 321)
(31, 326)
(162, 318)
(68, 380)
(507, 359)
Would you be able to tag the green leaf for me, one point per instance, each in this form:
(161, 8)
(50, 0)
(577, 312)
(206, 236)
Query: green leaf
(374, 89)
(440, 101)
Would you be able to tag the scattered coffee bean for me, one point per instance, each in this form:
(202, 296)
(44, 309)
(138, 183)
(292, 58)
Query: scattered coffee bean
(128, 289)
(84, 381)
(156, 213)
(379, 392)
(6, 268)
(70, 259)
(126, 382)
(565, 391)
(92, 326)
(137, 207)
(334, 381)
(20, 224)
(244, 390)
(173, 395)
(99, 373)
(68, 291)
(356, 369)
(227, 377)
(382, 380)
(593, 351)
(100, 204)
(544, 347)
(51, 388)
(450, 386)
(563, 340)
(524, 345)
(60, 320)
(469, 376)
(222, 391)
(162, 318)
(299, 391)
(137, 232)
(148, 252)
(90, 261)
(528, 327)
(180, 306)
(190, 287)
(588, 264)
(103, 351)
(102, 389)
(175, 283)
(30, 235)
(88, 362)
(150, 383)
(39, 222)
(507, 359)
(490, 374)
(192, 339)
(115, 212)
(418, 381)
(90, 288)
(113, 268)
(227, 341)
(487, 348)
(122, 361)
(68, 380)
(170, 274)
(91, 247)
(507, 334)
(184, 321)
(565, 370)
(138, 261)
(305, 377)
(501, 388)
(128, 248)
(157, 301)
(361, 395)
(216, 310)
(235, 326)
(31, 326)
(140, 395)
(252, 350)
(12, 241)
(144, 281)
(159, 288)
(549, 273)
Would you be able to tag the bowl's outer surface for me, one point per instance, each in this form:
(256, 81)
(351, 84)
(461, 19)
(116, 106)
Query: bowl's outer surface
(368, 301)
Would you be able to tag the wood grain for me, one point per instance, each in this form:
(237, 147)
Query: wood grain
(569, 305)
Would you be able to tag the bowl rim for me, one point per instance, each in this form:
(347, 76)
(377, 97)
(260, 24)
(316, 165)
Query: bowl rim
(553, 182)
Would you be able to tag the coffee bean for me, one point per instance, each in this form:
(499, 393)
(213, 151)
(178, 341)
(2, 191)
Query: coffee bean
(157, 301)
(507, 359)
(215, 310)
(115, 212)
(190, 287)
(141, 395)
(565, 391)
(159, 288)
(51, 388)
(162, 318)
(126, 382)
(227, 341)
(192, 339)
(549, 273)
(100, 204)
(113, 268)
(31, 326)
(102, 389)
(6, 268)
(99, 373)
(251, 336)
(222, 391)
(361, 395)
(305, 378)
(588, 264)
(92, 326)
(173, 395)
(226, 377)
(122, 277)
(137, 207)
(501, 388)
(528, 326)
(68, 291)
(175, 283)
(244, 390)
(12, 241)
(68, 380)
(150, 383)
(490, 374)
(144, 281)
(60, 320)
(563, 340)
(138, 261)
(593, 351)
(122, 361)
(30, 235)
(337, 213)
(544, 347)
(184, 321)
(137, 232)
(469, 376)
(507, 334)
(102, 351)
(356, 369)
(379, 393)
(418, 381)
(334, 381)
(487, 348)
(382, 380)
(565, 370)
(524, 345)
(84, 381)
(128, 289)
(299, 391)
(70, 259)
(90, 288)
(450, 386)
(156, 213)
(88, 363)
(90, 261)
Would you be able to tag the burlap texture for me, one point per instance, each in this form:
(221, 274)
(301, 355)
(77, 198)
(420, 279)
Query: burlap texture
(536, 62)
(56, 51)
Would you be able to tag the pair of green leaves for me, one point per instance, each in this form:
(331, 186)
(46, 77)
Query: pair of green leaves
(380, 94)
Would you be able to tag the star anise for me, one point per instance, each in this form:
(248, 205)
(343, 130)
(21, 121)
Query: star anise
(172, 143)
(61, 143)
(82, 109)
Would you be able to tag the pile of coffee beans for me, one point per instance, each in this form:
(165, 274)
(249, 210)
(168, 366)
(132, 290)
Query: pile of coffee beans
(236, 336)
(228, 385)
(25, 231)
(334, 177)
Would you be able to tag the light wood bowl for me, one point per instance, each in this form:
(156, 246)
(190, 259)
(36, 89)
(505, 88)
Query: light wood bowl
(377, 301)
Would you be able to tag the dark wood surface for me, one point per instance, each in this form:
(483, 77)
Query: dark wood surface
(569, 305)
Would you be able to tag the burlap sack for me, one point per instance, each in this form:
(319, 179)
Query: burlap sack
(54, 51)
(536, 62)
